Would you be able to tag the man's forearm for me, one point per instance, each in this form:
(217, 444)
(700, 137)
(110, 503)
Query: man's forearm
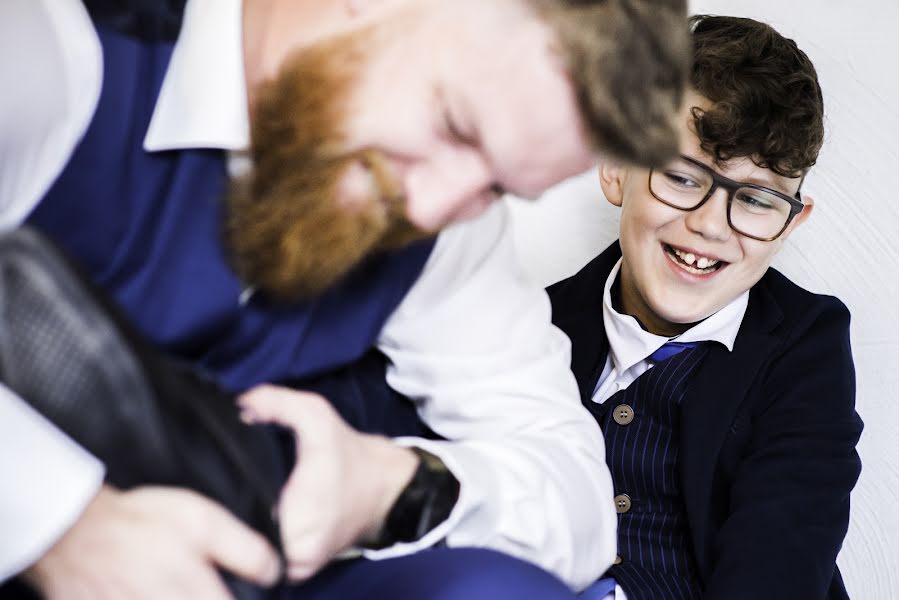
(473, 344)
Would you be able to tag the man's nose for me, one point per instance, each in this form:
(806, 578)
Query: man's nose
(710, 219)
(447, 188)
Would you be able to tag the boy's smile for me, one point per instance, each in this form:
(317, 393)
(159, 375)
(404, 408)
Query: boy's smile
(680, 267)
(692, 261)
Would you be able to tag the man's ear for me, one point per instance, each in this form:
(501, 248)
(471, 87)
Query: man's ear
(611, 179)
(799, 219)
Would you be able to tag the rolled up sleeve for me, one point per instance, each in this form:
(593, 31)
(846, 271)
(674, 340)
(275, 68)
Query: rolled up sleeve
(473, 345)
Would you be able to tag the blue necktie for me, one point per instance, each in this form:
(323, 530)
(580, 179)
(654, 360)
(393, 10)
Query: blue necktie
(599, 590)
(670, 349)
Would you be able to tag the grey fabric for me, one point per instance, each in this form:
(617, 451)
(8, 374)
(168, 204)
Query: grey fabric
(66, 351)
(61, 354)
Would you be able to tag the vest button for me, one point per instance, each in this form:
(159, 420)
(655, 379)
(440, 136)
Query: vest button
(622, 503)
(617, 560)
(623, 414)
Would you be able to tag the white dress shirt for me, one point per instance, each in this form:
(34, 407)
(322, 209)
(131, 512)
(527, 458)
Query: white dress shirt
(472, 341)
(630, 347)
(46, 105)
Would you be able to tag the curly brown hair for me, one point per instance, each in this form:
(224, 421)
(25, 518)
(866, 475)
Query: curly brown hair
(766, 101)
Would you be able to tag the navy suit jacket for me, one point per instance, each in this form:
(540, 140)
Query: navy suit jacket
(768, 437)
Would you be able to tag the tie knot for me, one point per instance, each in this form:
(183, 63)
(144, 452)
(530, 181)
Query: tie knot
(669, 349)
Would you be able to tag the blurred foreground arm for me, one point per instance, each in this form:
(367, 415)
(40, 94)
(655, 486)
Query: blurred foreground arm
(152, 542)
(473, 345)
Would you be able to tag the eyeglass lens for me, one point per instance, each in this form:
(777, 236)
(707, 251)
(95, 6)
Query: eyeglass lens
(755, 212)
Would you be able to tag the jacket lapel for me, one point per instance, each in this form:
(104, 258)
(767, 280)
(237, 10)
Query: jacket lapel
(716, 392)
(577, 311)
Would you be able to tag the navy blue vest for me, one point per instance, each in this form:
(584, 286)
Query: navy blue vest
(641, 426)
(146, 227)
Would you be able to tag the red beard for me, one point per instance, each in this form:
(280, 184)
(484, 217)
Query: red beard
(285, 229)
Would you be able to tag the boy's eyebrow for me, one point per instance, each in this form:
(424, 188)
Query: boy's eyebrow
(770, 179)
(775, 182)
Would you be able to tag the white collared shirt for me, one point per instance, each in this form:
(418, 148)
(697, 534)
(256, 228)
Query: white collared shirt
(630, 345)
(46, 104)
(203, 99)
(472, 341)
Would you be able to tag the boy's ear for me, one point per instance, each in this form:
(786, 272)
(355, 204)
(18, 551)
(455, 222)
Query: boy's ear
(802, 216)
(611, 179)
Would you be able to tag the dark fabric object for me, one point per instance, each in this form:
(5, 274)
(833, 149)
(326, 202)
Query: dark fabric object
(768, 435)
(653, 535)
(146, 227)
(151, 20)
(65, 350)
(16, 589)
(360, 393)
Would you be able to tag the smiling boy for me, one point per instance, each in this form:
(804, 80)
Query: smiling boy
(725, 391)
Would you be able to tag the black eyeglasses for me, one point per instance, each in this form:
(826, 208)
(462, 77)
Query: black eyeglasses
(755, 211)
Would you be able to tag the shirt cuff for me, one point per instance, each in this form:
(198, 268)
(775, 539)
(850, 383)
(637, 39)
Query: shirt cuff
(48, 480)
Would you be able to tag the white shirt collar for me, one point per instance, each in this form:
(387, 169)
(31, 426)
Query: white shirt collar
(630, 344)
(203, 100)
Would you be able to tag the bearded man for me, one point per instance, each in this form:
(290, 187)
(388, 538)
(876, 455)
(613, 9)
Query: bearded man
(259, 187)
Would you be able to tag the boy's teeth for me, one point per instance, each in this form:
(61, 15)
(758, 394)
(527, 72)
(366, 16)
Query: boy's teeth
(701, 263)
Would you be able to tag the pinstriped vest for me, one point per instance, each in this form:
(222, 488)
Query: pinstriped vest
(641, 426)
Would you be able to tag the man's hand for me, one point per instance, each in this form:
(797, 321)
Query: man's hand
(343, 484)
(152, 542)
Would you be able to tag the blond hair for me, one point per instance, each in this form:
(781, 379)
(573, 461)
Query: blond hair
(628, 61)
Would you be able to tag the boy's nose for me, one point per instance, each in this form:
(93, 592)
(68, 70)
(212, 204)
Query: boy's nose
(710, 219)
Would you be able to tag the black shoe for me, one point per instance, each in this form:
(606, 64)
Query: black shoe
(65, 349)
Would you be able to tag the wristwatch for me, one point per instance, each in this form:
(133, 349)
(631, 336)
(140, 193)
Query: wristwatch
(424, 503)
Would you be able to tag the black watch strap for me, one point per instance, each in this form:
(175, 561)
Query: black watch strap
(424, 503)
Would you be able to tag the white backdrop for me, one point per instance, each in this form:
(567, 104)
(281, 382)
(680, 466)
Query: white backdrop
(849, 247)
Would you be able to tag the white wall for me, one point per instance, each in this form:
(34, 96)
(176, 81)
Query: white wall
(849, 247)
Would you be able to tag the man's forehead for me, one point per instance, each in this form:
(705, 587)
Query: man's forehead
(461, 13)
(524, 108)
